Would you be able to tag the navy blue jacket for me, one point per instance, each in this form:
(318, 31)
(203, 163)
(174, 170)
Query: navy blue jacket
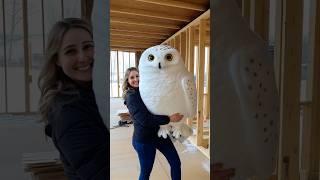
(79, 134)
(146, 124)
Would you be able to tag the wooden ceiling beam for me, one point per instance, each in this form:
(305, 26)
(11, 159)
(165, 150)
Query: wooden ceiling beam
(131, 32)
(115, 48)
(150, 37)
(135, 39)
(139, 46)
(139, 23)
(152, 14)
(141, 28)
(178, 4)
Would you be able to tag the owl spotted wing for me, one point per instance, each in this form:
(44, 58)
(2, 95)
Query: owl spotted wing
(189, 89)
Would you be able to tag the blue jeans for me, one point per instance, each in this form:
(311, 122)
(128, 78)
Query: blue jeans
(147, 151)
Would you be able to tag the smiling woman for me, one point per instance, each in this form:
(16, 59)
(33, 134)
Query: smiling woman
(67, 103)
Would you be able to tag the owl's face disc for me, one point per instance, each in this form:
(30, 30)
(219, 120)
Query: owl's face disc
(160, 57)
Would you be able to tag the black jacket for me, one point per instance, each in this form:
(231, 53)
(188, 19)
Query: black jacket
(146, 124)
(79, 134)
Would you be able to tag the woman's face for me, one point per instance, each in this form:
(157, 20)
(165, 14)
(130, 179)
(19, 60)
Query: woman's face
(133, 79)
(75, 55)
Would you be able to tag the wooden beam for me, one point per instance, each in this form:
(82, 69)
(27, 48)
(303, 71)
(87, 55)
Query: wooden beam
(115, 48)
(291, 45)
(27, 76)
(191, 45)
(128, 46)
(134, 39)
(183, 47)
(246, 8)
(261, 18)
(118, 76)
(140, 23)
(132, 42)
(315, 105)
(187, 47)
(150, 14)
(146, 37)
(131, 32)
(141, 28)
(177, 42)
(205, 15)
(200, 83)
(177, 4)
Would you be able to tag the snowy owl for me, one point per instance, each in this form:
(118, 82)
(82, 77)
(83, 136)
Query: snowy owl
(166, 87)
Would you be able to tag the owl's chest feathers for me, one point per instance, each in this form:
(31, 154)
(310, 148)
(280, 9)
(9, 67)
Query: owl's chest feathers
(161, 83)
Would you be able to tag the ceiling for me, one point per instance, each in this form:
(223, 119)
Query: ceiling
(138, 24)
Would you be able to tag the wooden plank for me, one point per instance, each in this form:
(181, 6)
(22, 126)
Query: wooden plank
(177, 43)
(178, 4)
(137, 40)
(261, 18)
(291, 45)
(138, 55)
(191, 50)
(118, 75)
(133, 32)
(183, 47)
(150, 14)
(187, 48)
(194, 22)
(115, 48)
(315, 106)
(208, 87)
(130, 46)
(26, 55)
(143, 23)
(190, 58)
(143, 29)
(200, 83)
(142, 37)
(246, 8)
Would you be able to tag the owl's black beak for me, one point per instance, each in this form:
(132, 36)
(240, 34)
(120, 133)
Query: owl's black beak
(159, 65)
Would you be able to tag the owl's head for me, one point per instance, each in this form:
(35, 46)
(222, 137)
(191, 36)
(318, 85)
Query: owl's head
(160, 57)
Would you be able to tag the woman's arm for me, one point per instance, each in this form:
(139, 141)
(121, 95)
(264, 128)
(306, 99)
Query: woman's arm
(141, 114)
(82, 143)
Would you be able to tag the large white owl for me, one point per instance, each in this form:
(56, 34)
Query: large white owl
(166, 87)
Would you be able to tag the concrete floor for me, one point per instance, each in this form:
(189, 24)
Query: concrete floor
(19, 135)
(124, 163)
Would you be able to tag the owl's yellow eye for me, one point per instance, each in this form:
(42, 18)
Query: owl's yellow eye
(169, 57)
(151, 57)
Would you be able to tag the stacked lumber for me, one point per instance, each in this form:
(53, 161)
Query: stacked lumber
(44, 165)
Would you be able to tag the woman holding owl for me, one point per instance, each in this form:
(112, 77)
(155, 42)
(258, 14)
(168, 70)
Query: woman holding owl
(146, 125)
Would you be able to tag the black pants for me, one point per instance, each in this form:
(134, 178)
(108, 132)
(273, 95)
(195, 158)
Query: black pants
(147, 151)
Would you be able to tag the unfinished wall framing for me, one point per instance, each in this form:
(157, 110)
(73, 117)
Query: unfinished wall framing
(193, 42)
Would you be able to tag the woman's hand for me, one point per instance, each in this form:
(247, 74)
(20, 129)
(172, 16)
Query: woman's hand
(176, 117)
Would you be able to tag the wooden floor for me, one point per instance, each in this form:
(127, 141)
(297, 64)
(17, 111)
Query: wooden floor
(124, 164)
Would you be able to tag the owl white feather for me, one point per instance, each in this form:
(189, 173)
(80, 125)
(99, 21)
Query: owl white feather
(166, 87)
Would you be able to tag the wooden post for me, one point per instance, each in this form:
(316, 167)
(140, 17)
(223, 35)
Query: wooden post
(138, 55)
(177, 43)
(200, 81)
(183, 47)
(26, 55)
(261, 18)
(190, 57)
(291, 45)
(246, 10)
(315, 105)
(118, 75)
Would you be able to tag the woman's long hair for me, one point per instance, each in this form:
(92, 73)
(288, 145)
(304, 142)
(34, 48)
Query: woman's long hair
(52, 79)
(125, 85)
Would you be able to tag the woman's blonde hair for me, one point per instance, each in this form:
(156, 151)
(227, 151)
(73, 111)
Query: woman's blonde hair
(52, 79)
(125, 85)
